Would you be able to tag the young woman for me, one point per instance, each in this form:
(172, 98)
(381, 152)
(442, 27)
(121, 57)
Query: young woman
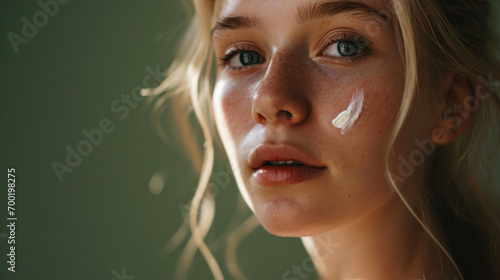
(364, 127)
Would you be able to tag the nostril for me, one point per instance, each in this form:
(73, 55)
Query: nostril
(284, 113)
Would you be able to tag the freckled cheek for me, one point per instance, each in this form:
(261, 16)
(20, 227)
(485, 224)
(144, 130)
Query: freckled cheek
(380, 111)
(370, 134)
(376, 125)
(232, 108)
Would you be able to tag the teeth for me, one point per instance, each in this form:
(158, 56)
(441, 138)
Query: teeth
(288, 162)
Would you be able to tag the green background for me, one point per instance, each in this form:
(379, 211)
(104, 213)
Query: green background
(103, 216)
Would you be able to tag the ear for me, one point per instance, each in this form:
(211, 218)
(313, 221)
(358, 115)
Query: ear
(457, 107)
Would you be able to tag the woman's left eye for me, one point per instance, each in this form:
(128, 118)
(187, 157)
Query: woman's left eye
(344, 49)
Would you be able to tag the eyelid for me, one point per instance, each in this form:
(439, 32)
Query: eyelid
(243, 45)
(340, 35)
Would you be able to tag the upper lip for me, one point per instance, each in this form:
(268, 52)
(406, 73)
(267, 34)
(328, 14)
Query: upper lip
(264, 153)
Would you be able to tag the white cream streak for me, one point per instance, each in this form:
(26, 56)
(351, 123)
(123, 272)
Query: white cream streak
(346, 118)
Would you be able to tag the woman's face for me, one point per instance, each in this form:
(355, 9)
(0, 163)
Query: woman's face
(287, 69)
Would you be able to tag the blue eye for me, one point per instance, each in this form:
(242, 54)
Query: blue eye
(245, 58)
(348, 48)
(344, 49)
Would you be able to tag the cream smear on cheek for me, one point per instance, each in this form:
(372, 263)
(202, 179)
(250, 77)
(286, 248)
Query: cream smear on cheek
(346, 119)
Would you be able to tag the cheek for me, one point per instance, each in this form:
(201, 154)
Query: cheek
(380, 107)
(360, 152)
(232, 110)
(368, 141)
(375, 127)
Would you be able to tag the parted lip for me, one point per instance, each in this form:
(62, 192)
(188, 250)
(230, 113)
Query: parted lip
(283, 152)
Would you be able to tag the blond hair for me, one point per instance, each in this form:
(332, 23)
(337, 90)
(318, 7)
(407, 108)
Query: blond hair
(458, 199)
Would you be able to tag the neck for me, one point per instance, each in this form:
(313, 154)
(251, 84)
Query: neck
(388, 243)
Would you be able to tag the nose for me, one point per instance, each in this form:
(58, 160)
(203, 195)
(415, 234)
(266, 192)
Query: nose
(280, 97)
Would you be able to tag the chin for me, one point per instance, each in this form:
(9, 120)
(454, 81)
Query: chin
(288, 218)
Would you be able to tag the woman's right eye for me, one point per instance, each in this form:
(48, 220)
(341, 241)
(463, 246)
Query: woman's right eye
(240, 59)
(245, 58)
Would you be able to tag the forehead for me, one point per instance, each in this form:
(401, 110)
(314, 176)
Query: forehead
(272, 7)
(240, 14)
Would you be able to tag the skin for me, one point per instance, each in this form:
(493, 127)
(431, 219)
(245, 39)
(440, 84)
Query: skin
(351, 222)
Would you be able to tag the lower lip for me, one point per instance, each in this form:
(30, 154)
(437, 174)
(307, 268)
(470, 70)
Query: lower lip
(272, 175)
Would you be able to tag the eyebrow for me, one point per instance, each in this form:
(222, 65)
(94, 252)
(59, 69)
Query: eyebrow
(306, 13)
(236, 22)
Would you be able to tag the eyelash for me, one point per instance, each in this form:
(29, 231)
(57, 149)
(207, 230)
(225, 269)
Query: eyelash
(349, 37)
(235, 51)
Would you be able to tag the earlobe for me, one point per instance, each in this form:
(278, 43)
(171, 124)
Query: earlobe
(457, 109)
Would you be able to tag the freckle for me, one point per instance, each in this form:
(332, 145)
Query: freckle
(343, 166)
(379, 131)
(349, 195)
